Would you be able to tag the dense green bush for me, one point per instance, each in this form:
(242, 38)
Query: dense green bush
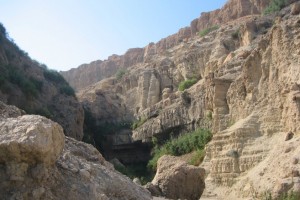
(54, 76)
(29, 86)
(182, 145)
(186, 84)
(66, 89)
(274, 6)
(120, 73)
(197, 157)
(208, 30)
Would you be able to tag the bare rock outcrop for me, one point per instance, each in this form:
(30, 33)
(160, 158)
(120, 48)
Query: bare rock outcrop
(38, 162)
(178, 180)
(88, 74)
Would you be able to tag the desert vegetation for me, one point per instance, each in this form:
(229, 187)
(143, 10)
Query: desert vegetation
(186, 143)
(208, 30)
(183, 85)
(11, 76)
(275, 6)
(120, 73)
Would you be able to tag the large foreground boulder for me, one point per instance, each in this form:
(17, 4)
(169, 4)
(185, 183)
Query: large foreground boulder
(178, 180)
(38, 162)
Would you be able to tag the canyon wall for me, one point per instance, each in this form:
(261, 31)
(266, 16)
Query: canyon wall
(87, 74)
(246, 92)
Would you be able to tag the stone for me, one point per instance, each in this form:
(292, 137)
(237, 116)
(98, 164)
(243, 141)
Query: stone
(178, 180)
(33, 139)
(289, 136)
(295, 8)
(154, 189)
(38, 162)
(137, 181)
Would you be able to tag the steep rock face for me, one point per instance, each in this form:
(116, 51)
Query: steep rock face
(89, 74)
(262, 105)
(38, 162)
(37, 90)
(247, 93)
(232, 10)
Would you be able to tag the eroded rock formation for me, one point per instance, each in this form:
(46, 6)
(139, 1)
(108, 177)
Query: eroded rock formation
(88, 74)
(247, 93)
(38, 162)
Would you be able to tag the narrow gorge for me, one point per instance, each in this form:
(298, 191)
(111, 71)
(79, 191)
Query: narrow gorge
(233, 76)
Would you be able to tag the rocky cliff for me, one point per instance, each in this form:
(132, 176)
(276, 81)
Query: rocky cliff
(88, 74)
(36, 89)
(38, 162)
(247, 91)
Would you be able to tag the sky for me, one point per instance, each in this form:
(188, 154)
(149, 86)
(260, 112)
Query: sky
(64, 34)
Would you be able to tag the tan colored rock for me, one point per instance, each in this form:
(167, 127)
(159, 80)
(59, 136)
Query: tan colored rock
(7, 111)
(178, 180)
(295, 9)
(33, 139)
(88, 74)
(38, 162)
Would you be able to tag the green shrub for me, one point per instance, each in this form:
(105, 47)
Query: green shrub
(67, 90)
(138, 123)
(290, 196)
(184, 144)
(43, 112)
(186, 84)
(197, 157)
(274, 6)
(120, 73)
(29, 86)
(54, 76)
(208, 30)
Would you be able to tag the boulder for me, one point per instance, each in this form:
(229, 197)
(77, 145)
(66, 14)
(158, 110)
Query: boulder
(178, 180)
(38, 162)
(295, 9)
(31, 139)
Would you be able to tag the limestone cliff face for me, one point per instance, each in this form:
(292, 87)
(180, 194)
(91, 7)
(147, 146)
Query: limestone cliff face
(89, 74)
(32, 87)
(247, 93)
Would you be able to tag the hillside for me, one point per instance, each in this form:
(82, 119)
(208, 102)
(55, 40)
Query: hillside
(32, 87)
(233, 71)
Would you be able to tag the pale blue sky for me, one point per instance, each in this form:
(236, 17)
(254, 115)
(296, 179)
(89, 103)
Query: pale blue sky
(66, 33)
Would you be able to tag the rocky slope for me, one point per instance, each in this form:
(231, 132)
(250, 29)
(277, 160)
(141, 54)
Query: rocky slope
(32, 87)
(38, 162)
(247, 93)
